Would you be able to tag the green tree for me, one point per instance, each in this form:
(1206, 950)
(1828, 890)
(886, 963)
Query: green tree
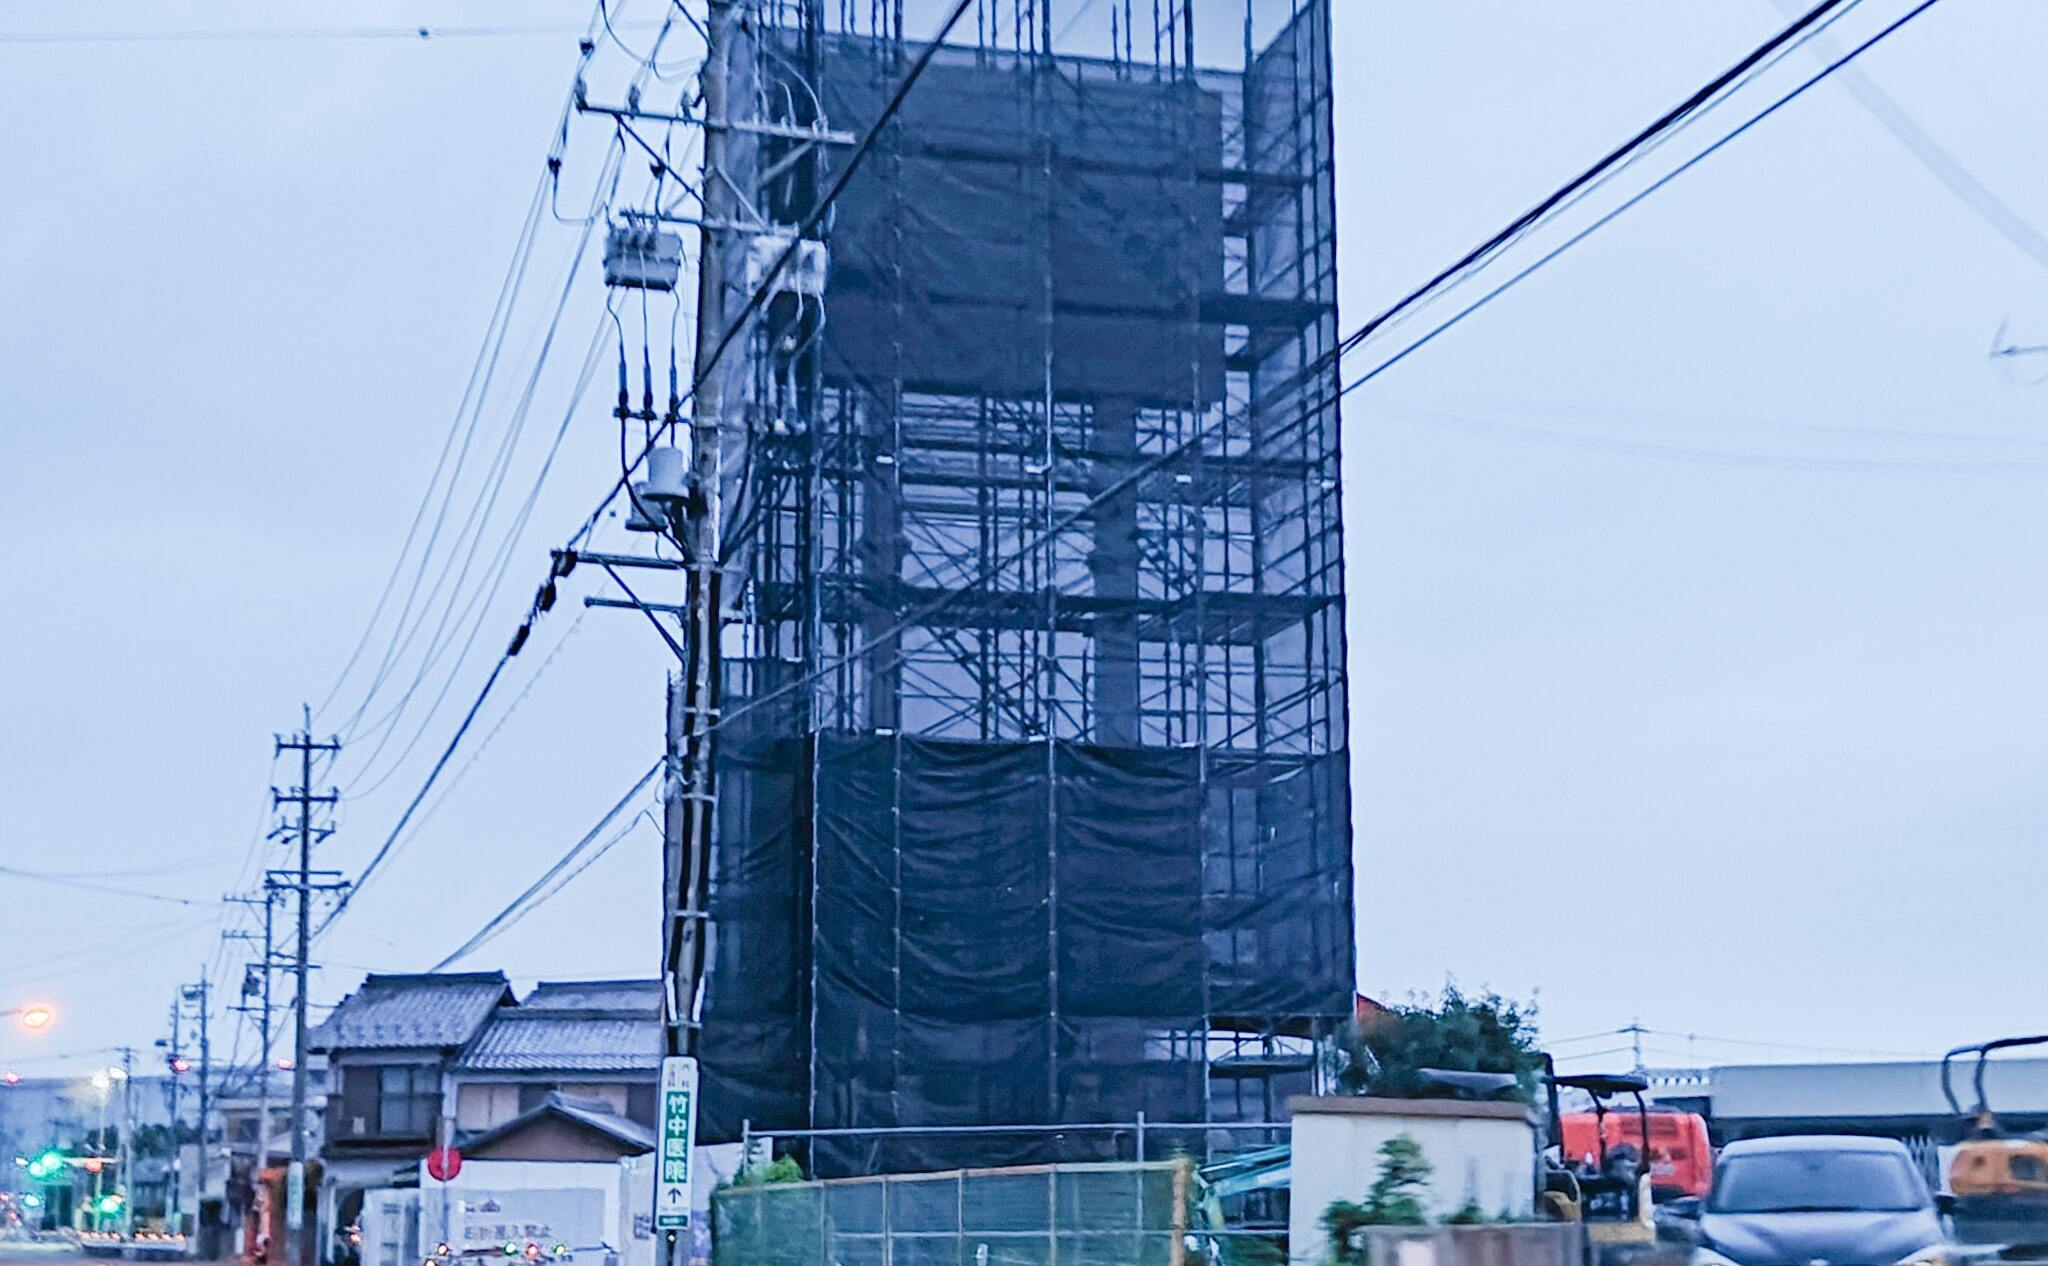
(1483, 1033)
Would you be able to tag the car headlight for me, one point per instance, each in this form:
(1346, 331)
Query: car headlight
(1936, 1255)
(1708, 1257)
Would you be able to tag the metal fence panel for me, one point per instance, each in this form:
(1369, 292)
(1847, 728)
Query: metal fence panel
(1049, 1215)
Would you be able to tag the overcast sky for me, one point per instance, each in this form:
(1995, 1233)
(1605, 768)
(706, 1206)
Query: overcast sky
(1696, 621)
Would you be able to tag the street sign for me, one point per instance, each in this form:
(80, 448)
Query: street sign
(678, 1141)
(759, 1154)
(443, 1163)
(295, 1196)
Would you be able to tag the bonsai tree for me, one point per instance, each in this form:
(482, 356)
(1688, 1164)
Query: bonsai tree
(1396, 1195)
(1395, 1199)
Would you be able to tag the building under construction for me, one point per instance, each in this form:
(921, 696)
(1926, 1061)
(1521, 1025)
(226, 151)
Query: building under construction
(1032, 788)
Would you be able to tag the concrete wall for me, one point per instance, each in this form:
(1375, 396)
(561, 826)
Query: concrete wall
(627, 1186)
(1482, 1152)
(1546, 1244)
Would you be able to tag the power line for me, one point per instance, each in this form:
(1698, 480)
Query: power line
(110, 889)
(1940, 163)
(797, 235)
(1638, 198)
(413, 34)
(997, 566)
(482, 506)
(518, 906)
(1145, 469)
(500, 317)
(762, 291)
(1663, 123)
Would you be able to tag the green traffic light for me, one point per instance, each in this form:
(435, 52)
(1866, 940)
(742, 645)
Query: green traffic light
(109, 1204)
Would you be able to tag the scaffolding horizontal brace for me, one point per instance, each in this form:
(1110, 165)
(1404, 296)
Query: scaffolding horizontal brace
(1210, 618)
(788, 131)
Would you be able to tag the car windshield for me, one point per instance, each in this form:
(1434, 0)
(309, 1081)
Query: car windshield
(1818, 1181)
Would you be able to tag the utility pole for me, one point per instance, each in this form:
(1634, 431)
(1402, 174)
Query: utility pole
(201, 994)
(690, 799)
(173, 1057)
(302, 796)
(1635, 1032)
(126, 1186)
(260, 1160)
(690, 794)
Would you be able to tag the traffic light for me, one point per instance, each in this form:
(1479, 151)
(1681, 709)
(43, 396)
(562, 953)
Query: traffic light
(109, 1205)
(47, 1164)
(178, 1063)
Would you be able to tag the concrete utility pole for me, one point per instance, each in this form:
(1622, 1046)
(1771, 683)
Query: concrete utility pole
(691, 803)
(201, 994)
(126, 1186)
(260, 1160)
(172, 1056)
(301, 796)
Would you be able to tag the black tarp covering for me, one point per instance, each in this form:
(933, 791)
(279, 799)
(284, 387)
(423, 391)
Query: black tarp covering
(1006, 933)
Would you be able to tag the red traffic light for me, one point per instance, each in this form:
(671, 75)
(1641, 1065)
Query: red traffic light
(179, 1064)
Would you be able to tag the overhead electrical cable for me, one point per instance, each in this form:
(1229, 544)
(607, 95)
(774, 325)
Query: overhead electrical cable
(1116, 488)
(1636, 200)
(413, 34)
(1663, 123)
(762, 291)
(115, 890)
(457, 608)
(513, 911)
(803, 229)
(476, 609)
(454, 741)
(1131, 478)
(507, 293)
(468, 538)
(1939, 162)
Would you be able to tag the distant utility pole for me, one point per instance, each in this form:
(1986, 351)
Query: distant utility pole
(201, 995)
(1635, 1031)
(126, 1164)
(261, 1010)
(173, 1057)
(303, 797)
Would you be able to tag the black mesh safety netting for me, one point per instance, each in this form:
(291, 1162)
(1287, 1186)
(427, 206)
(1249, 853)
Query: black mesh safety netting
(1004, 933)
(1038, 572)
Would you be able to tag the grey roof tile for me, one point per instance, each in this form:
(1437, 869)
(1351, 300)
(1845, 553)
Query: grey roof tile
(596, 995)
(563, 1040)
(433, 1010)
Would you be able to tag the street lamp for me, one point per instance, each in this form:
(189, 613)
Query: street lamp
(35, 1017)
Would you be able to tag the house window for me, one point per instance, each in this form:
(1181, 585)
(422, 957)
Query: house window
(408, 1101)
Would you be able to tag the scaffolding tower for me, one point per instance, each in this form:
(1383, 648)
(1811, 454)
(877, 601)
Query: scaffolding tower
(1032, 780)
